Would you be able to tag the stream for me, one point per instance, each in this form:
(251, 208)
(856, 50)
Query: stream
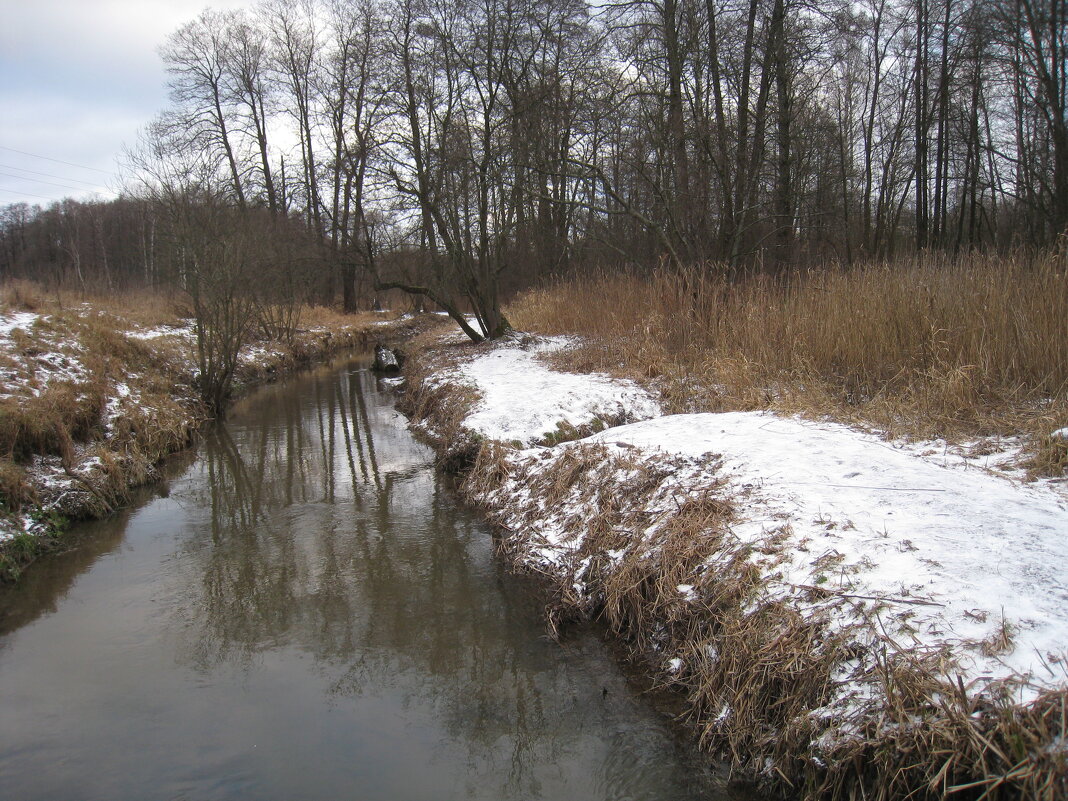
(303, 609)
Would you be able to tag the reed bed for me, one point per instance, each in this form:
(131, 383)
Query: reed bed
(932, 347)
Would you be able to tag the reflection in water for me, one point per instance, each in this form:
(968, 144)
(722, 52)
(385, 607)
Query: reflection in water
(312, 615)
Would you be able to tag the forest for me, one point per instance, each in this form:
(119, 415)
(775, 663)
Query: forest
(463, 150)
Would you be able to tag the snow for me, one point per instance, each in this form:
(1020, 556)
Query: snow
(943, 541)
(113, 408)
(10, 321)
(59, 356)
(54, 357)
(523, 400)
(975, 550)
(162, 331)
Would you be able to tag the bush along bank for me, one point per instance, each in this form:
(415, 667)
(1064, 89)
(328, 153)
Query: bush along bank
(93, 396)
(847, 617)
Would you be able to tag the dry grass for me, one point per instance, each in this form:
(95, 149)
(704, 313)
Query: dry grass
(141, 307)
(49, 423)
(15, 488)
(67, 367)
(800, 686)
(144, 308)
(936, 347)
(331, 318)
(21, 295)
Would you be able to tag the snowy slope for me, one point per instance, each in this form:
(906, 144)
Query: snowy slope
(981, 551)
(522, 400)
(963, 557)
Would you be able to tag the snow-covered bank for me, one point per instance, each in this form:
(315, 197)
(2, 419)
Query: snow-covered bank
(511, 396)
(843, 612)
(91, 400)
(974, 555)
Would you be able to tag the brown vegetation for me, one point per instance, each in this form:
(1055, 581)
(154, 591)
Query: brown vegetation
(969, 348)
(928, 348)
(437, 407)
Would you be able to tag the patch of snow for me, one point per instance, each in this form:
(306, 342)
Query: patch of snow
(162, 331)
(1058, 746)
(12, 320)
(967, 553)
(151, 333)
(523, 400)
(472, 321)
(113, 408)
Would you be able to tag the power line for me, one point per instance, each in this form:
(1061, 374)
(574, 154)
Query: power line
(58, 161)
(50, 175)
(39, 181)
(28, 194)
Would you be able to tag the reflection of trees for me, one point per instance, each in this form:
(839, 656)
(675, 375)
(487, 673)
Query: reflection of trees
(322, 526)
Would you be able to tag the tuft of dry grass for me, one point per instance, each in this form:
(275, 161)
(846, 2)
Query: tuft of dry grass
(15, 488)
(49, 423)
(21, 295)
(959, 348)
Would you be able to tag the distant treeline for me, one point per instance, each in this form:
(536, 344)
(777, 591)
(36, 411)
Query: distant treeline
(100, 243)
(490, 141)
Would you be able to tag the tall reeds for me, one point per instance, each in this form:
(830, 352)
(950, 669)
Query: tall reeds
(933, 346)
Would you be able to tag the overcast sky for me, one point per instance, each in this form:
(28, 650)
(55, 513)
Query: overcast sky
(78, 80)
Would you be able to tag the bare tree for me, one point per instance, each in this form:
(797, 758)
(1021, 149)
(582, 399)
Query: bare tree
(249, 90)
(195, 57)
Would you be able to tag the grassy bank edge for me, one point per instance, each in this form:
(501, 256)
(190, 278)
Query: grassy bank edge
(972, 350)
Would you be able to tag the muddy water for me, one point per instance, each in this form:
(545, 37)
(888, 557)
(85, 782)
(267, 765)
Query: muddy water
(304, 611)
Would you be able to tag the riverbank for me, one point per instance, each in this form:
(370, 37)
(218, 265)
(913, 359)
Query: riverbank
(304, 606)
(847, 615)
(96, 392)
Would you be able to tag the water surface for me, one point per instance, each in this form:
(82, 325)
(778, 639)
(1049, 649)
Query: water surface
(303, 610)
